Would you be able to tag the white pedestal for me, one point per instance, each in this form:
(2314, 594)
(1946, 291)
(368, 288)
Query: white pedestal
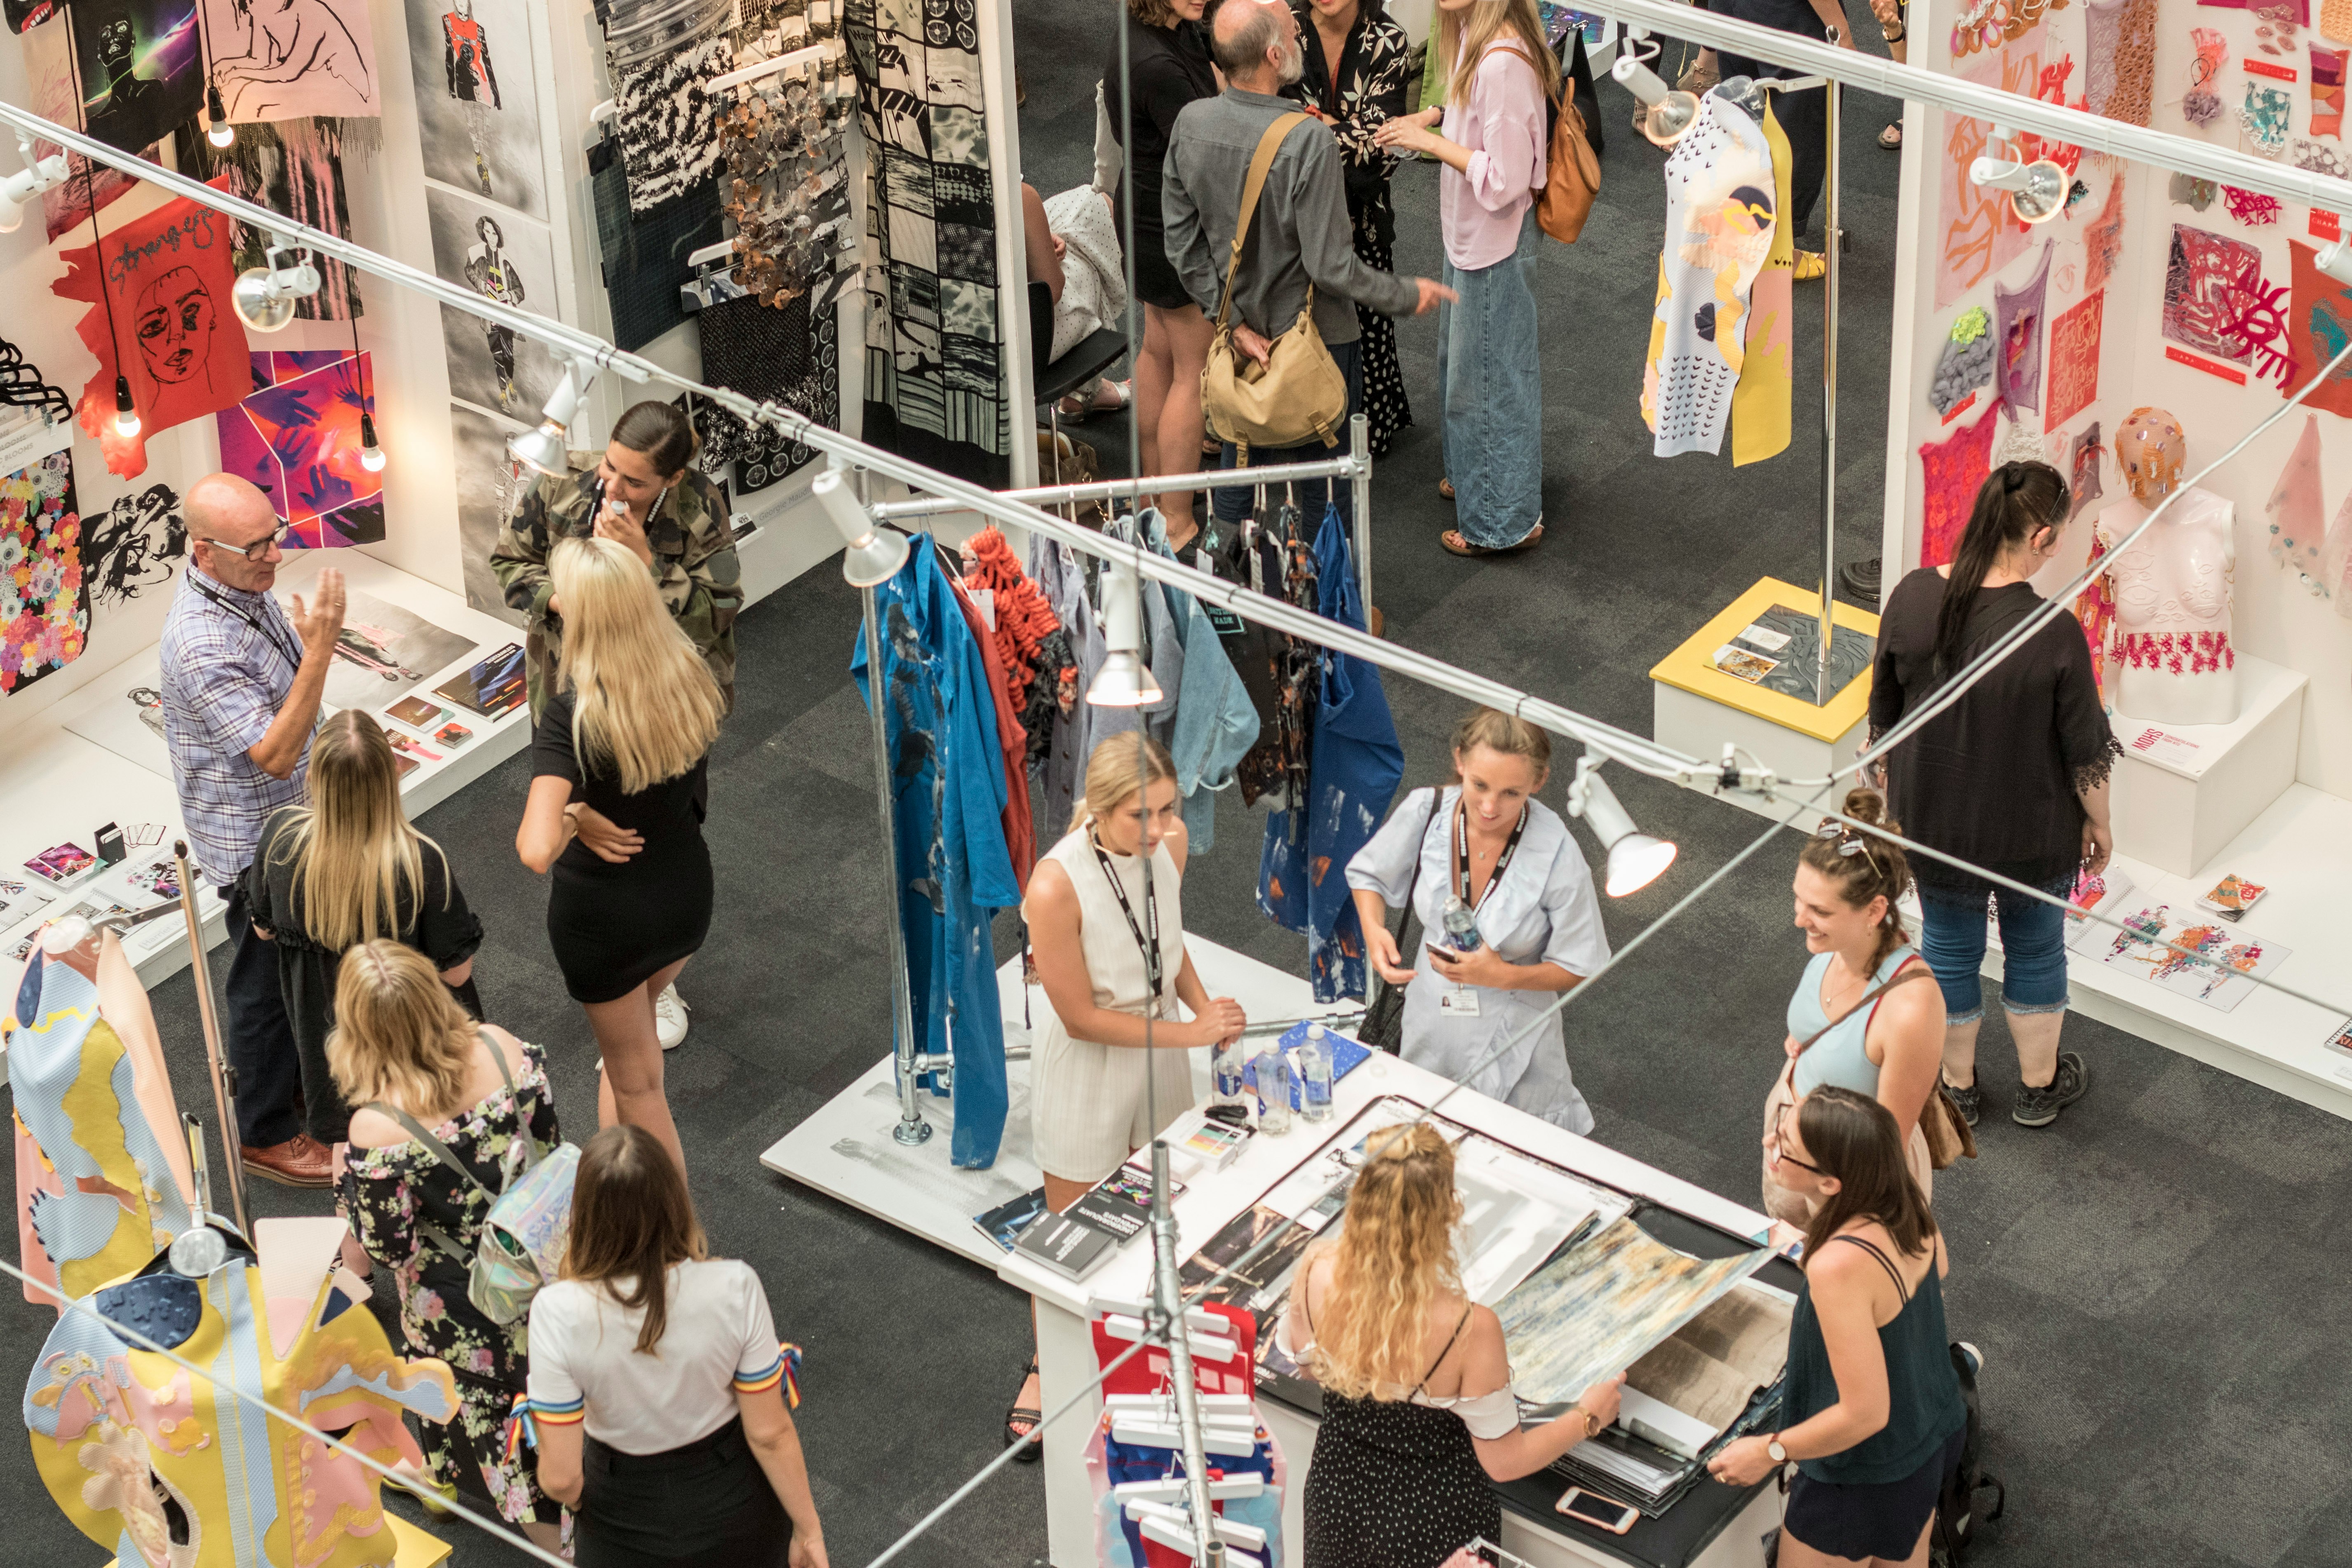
(2183, 791)
(1699, 726)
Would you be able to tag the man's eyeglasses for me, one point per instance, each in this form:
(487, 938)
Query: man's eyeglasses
(1780, 1143)
(260, 548)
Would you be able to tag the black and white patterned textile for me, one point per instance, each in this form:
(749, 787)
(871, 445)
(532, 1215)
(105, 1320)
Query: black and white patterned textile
(935, 387)
(786, 353)
(670, 124)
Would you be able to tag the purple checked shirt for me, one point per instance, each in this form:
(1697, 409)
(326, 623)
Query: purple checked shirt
(229, 659)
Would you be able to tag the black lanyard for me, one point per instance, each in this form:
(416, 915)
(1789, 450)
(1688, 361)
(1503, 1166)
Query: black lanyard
(1461, 852)
(265, 633)
(1149, 949)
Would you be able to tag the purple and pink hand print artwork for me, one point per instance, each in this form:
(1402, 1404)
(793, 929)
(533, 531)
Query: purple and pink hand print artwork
(298, 438)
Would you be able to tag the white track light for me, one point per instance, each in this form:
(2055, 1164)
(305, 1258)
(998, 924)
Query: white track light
(1123, 681)
(1668, 113)
(2335, 260)
(2037, 191)
(1636, 859)
(265, 297)
(546, 450)
(38, 174)
(872, 553)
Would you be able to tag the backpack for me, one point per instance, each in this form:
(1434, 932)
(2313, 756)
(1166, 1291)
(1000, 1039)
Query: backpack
(1572, 172)
(524, 1237)
(1956, 1507)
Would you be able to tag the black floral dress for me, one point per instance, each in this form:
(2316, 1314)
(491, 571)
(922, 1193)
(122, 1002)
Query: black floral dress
(387, 1192)
(1368, 86)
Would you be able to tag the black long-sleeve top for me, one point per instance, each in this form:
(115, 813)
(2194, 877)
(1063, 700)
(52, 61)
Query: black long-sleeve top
(1169, 68)
(1996, 778)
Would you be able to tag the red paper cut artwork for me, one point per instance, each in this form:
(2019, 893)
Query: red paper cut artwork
(169, 275)
(2250, 207)
(298, 438)
(1951, 472)
(2073, 361)
(2319, 326)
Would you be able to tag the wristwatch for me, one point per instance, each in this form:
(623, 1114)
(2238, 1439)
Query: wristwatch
(1592, 1423)
(1772, 1447)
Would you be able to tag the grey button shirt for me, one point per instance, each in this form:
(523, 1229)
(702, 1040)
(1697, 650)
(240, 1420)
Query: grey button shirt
(1300, 231)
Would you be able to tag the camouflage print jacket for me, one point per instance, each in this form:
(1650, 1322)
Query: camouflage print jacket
(694, 567)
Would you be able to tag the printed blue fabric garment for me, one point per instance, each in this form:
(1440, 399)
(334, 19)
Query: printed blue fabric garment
(1216, 722)
(1063, 580)
(1353, 764)
(955, 871)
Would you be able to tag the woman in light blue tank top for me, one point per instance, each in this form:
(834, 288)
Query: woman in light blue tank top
(1889, 1048)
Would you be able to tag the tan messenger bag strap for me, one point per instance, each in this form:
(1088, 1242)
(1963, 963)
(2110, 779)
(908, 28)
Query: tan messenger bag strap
(1261, 162)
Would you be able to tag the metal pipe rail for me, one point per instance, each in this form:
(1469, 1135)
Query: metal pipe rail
(1122, 490)
(2092, 131)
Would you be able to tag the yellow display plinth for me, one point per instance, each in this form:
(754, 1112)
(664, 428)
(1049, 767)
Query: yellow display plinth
(1697, 707)
(412, 1548)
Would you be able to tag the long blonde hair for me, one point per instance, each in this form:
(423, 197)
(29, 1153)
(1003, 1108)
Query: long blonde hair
(1395, 1258)
(1490, 20)
(350, 845)
(399, 1035)
(1119, 767)
(645, 701)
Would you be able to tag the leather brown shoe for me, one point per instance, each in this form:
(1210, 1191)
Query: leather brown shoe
(300, 1161)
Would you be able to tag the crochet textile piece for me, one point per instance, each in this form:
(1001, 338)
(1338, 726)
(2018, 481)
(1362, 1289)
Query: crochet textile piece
(2320, 159)
(2264, 120)
(2017, 333)
(2297, 534)
(1024, 619)
(2326, 92)
(1951, 472)
(2120, 39)
(2182, 653)
(2084, 485)
(2202, 106)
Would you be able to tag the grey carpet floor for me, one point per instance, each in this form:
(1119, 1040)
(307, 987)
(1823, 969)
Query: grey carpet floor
(2156, 1279)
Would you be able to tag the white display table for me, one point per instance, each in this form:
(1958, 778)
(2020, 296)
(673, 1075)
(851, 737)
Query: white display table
(2184, 791)
(847, 1150)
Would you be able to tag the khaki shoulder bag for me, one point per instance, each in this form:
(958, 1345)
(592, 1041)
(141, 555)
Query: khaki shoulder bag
(1950, 1138)
(1299, 394)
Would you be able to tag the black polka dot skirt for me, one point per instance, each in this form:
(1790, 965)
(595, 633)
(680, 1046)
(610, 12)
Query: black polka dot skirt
(1393, 1485)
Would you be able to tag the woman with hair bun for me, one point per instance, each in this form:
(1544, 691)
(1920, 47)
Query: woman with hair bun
(2013, 777)
(643, 493)
(1856, 1020)
(1418, 1412)
(626, 738)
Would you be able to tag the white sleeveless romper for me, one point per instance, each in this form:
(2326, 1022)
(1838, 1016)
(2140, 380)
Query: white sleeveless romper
(1088, 1104)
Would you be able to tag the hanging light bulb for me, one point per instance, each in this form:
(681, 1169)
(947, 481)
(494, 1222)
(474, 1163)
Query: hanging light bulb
(1636, 859)
(38, 174)
(874, 554)
(2037, 191)
(1668, 113)
(371, 455)
(126, 414)
(1124, 681)
(546, 450)
(219, 132)
(265, 297)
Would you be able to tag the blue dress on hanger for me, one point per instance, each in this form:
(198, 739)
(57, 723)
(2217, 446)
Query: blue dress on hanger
(953, 868)
(1354, 764)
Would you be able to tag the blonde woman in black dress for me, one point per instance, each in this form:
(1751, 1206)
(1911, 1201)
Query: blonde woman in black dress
(1418, 1412)
(627, 735)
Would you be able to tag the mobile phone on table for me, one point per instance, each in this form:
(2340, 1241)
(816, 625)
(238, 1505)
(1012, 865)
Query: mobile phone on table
(1601, 1512)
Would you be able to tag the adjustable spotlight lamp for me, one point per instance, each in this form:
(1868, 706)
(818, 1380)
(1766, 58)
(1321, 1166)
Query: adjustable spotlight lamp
(265, 297)
(2037, 191)
(1666, 113)
(1636, 859)
(546, 450)
(38, 174)
(1124, 681)
(872, 553)
(2335, 260)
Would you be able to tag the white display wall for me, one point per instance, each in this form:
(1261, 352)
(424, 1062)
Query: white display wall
(1955, 246)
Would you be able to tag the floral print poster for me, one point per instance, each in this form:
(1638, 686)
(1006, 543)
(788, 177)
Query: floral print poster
(44, 603)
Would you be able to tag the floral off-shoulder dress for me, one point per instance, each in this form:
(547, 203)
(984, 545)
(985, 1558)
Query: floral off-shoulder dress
(387, 1193)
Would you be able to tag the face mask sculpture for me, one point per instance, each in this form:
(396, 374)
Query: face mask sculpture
(165, 1468)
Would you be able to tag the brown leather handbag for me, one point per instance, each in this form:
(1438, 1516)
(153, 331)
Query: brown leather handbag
(1299, 393)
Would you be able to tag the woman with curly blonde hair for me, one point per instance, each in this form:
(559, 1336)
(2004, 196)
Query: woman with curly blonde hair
(1418, 1412)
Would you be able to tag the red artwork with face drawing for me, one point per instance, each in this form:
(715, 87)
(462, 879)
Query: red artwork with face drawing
(181, 347)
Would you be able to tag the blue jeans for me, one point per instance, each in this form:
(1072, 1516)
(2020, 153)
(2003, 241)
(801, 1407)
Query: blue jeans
(2032, 944)
(1490, 384)
(1232, 505)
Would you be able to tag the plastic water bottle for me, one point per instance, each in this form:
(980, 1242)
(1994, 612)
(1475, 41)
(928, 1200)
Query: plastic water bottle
(1273, 1090)
(1226, 1083)
(1461, 924)
(1315, 1075)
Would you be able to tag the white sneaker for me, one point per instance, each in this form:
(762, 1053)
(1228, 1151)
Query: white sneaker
(669, 1018)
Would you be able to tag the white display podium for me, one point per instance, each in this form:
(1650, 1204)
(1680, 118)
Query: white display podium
(846, 1151)
(2183, 791)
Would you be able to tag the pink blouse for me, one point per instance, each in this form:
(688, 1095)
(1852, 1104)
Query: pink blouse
(1502, 124)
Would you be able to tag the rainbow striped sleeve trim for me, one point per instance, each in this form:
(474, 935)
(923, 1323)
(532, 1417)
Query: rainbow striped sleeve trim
(569, 1413)
(784, 1369)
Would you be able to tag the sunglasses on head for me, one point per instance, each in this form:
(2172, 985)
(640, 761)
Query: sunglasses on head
(1850, 840)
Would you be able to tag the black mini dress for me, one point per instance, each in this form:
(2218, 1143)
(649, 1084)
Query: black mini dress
(614, 927)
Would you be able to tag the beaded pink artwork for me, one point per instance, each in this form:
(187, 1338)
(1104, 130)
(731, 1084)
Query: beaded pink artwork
(2182, 653)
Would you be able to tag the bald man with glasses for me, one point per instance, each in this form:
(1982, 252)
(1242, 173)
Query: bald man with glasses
(242, 680)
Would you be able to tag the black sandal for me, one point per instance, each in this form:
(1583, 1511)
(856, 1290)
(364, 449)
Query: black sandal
(1027, 1420)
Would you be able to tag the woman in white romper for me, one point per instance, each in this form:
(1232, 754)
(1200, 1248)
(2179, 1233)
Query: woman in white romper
(1097, 1096)
(1539, 920)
